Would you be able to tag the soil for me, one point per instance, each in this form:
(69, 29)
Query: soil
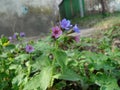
(86, 32)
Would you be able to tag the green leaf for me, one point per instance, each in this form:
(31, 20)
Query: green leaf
(13, 66)
(18, 79)
(106, 82)
(112, 85)
(10, 46)
(22, 57)
(41, 62)
(42, 45)
(42, 80)
(68, 74)
(60, 57)
(60, 85)
(4, 39)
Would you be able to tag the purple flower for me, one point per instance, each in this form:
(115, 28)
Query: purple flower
(77, 38)
(56, 32)
(22, 34)
(65, 24)
(76, 29)
(10, 38)
(14, 36)
(29, 49)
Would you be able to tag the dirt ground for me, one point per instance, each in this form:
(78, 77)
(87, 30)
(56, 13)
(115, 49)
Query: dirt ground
(83, 33)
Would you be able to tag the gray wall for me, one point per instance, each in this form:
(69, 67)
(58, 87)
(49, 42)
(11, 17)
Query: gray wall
(33, 17)
(94, 5)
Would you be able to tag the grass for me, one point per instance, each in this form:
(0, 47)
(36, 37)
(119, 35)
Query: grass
(109, 25)
(87, 21)
(98, 21)
(108, 22)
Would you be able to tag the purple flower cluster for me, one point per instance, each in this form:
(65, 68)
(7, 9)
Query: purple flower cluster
(10, 38)
(22, 34)
(76, 29)
(29, 48)
(65, 25)
(77, 38)
(16, 35)
(56, 32)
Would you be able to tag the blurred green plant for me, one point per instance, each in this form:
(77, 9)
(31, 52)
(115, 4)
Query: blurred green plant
(59, 61)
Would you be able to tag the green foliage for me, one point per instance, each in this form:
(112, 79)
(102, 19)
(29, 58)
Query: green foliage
(42, 80)
(98, 21)
(92, 61)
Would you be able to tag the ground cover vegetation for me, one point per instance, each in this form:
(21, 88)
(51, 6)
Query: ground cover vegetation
(61, 61)
(98, 21)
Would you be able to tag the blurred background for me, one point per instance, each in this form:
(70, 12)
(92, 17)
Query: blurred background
(35, 17)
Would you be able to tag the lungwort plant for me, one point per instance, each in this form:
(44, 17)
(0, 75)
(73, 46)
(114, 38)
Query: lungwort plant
(62, 61)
